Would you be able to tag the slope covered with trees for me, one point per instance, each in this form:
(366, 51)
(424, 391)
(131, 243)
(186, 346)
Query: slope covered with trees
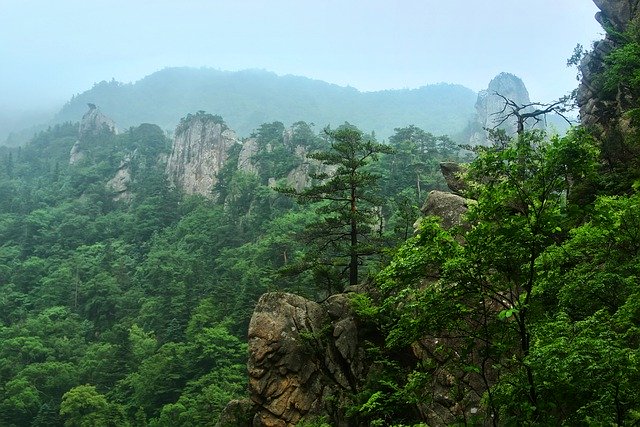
(246, 99)
(135, 312)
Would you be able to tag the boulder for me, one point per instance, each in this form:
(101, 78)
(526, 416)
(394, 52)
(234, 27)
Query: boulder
(303, 356)
(449, 207)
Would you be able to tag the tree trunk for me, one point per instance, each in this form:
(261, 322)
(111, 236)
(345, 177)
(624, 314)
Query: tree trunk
(353, 263)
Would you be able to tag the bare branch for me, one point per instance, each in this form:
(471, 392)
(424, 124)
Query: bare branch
(532, 110)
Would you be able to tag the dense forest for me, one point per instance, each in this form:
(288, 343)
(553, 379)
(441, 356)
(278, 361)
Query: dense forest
(526, 311)
(136, 312)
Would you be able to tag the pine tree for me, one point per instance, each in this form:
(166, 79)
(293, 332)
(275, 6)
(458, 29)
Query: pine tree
(346, 202)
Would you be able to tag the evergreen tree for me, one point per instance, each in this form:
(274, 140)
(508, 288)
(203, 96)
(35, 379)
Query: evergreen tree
(347, 203)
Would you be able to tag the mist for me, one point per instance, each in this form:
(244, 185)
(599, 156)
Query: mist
(54, 50)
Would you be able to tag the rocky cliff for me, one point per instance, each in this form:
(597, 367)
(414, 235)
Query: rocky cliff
(93, 123)
(490, 106)
(303, 358)
(597, 110)
(201, 145)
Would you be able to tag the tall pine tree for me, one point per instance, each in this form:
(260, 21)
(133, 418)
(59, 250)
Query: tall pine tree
(347, 203)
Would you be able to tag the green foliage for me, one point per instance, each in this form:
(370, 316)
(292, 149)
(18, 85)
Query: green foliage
(83, 406)
(347, 204)
(147, 302)
(522, 307)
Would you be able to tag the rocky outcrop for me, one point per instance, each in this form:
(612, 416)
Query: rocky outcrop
(247, 153)
(597, 110)
(453, 176)
(447, 206)
(121, 181)
(307, 360)
(200, 148)
(298, 178)
(303, 356)
(616, 12)
(93, 123)
(490, 107)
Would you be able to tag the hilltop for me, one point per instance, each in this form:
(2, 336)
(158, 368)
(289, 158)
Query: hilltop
(249, 98)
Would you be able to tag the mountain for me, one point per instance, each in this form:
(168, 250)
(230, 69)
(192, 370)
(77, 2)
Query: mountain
(246, 99)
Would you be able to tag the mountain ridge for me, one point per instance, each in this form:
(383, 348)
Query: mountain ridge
(248, 98)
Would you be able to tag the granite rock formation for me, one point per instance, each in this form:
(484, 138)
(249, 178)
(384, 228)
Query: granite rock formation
(92, 124)
(200, 148)
(247, 153)
(596, 110)
(120, 183)
(303, 356)
(447, 206)
(490, 106)
(453, 176)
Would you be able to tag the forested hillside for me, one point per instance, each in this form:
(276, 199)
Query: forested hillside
(247, 99)
(293, 285)
(135, 312)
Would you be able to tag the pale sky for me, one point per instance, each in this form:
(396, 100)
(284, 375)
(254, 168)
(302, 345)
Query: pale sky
(50, 50)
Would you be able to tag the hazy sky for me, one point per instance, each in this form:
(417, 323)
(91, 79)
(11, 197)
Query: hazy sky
(50, 49)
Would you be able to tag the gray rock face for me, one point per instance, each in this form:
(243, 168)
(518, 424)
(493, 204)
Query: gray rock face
(616, 12)
(245, 158)
(198, 155)
(449, 207)
(121, 181)
(594, 110)
(490, 106)
(93, 122)
(77, 153)
(298, 178)
(306, 359)
(302, 356)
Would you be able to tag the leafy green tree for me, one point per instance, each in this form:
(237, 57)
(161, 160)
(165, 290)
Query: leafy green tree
(348, 201)
(415, 161)
(492, 281)
(83, 406)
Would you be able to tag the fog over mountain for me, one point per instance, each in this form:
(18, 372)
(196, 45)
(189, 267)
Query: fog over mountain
(249, 98)
(52, 51)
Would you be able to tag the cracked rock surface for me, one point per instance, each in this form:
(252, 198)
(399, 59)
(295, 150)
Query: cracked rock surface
(303, 356)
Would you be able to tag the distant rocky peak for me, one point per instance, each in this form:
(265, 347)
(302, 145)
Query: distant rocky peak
(94, 122)
(510, 86)
(490, 106)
